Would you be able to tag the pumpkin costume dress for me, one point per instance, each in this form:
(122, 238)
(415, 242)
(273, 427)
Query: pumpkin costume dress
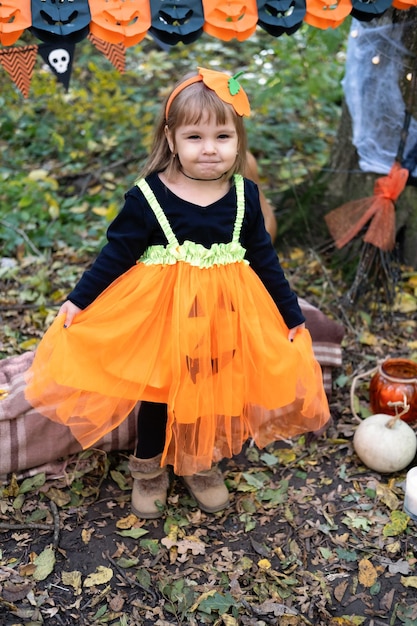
(193, 323)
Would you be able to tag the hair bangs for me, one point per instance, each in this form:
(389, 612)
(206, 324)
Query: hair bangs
(197, 103)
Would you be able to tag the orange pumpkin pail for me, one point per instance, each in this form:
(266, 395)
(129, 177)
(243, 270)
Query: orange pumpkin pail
(393, 388)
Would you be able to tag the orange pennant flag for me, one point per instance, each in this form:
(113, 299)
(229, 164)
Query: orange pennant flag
(114, 52)
(19, 63)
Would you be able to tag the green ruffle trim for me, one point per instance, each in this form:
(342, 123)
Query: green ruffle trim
(195, 254)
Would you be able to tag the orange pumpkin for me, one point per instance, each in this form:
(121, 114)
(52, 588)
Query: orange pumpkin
(228, 19)
(15, 17)
(327, 13)
(120, 21)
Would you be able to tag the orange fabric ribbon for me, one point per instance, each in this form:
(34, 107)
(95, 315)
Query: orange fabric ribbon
(347, 220)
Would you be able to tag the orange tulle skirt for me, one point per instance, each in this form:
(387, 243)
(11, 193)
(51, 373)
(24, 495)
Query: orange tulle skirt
(210, 343)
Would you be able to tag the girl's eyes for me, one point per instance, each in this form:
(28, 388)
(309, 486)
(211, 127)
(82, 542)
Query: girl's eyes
(222, 136)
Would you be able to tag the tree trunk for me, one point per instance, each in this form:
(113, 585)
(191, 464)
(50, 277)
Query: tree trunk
(345, 181)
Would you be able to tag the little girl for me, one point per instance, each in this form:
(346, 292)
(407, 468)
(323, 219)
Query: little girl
(187, 310)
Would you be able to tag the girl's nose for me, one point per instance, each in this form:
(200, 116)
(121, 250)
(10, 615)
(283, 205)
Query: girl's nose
(209, 146)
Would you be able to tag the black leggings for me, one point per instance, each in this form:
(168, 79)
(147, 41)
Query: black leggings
(152, 421)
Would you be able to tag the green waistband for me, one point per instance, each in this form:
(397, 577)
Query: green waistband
(195, 254)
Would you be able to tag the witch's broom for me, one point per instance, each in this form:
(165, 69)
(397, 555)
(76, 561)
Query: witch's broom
(375, 268)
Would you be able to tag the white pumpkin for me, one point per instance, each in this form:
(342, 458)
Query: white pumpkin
(385, 443)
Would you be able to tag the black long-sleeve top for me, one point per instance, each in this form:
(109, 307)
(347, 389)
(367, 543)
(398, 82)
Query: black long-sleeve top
(136, 228)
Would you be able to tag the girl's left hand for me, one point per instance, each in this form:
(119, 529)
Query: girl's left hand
(293, 331)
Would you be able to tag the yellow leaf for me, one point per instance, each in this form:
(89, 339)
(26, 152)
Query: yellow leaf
(100, 210)
(264, 564)
(245, 563)
(409, 581)
(73, 579)
(412, 281)
(387, 496)
(368, 339)
(38, 174)
(58, 496)
(99, 577)
(228, 620)
(127, 522)
(86, 534)
(81, 208)
(29, 344)
(203, 596)
(297, 254)
(286, 455)
(394, 547)
(367, 573)
(397, 525)
(94, 190)
(44, 563)
(405, 303)
(347, 620)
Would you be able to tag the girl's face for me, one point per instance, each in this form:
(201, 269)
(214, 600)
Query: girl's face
(205, 149)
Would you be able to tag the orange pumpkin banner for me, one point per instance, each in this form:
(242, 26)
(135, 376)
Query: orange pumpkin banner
(327, 13)
(230, 19)
(15, 17)
(120, 21)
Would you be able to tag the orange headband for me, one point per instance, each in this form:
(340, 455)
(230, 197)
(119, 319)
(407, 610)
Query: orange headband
(226, 87)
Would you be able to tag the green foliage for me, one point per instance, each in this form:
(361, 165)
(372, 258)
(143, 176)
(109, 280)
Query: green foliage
(71, 156)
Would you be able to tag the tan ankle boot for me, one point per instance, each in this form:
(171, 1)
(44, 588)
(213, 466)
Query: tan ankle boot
(208, 490)
(150, 486)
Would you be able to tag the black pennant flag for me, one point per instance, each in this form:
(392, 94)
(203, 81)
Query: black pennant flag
(59, 57)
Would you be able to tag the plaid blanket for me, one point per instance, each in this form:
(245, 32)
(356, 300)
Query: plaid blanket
(30, 443)
(327, 338)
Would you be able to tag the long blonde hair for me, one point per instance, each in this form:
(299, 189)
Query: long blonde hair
(189, 107)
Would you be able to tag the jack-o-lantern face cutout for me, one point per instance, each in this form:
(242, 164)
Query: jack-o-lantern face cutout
(60, 18)
(15, 17)
(174, 21)
(327, 13)
(120, 21)
(228, 19)
(365, 10)
(281, 16)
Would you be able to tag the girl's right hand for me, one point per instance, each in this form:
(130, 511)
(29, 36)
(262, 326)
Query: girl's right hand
(70, 310)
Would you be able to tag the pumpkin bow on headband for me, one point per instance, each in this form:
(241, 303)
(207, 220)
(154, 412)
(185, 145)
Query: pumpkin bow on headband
(226, 87)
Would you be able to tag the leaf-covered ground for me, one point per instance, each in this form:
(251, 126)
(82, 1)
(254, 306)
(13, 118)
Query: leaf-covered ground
(311, 537)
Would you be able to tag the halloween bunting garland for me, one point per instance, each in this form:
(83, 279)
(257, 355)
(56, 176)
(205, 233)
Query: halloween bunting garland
(114, 25)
